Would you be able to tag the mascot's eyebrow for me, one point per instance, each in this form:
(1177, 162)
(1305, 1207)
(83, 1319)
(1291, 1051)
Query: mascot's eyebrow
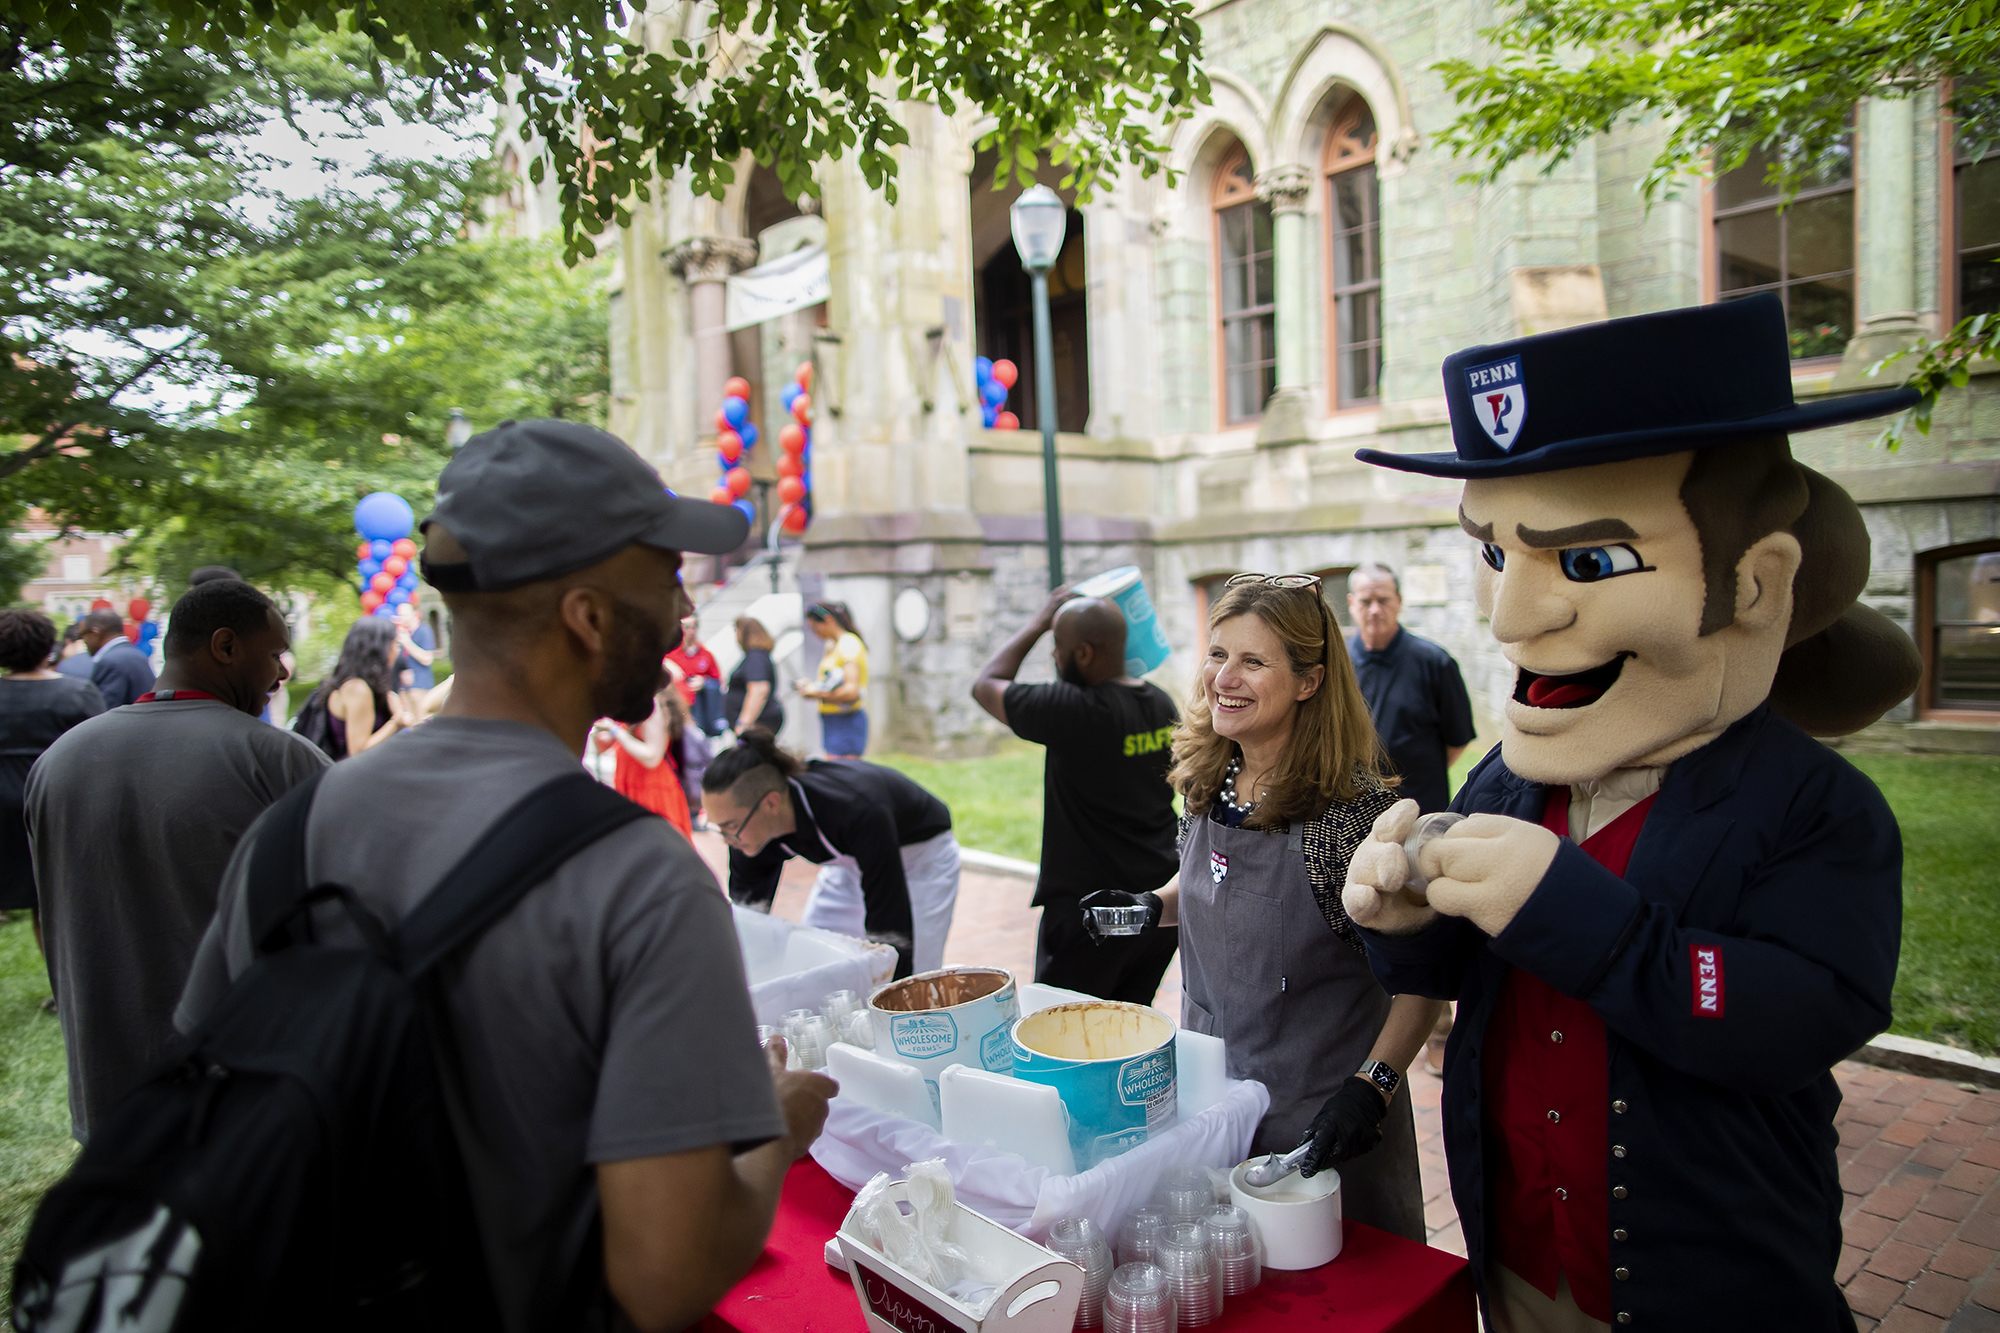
(1479, 532)
(1576, 534)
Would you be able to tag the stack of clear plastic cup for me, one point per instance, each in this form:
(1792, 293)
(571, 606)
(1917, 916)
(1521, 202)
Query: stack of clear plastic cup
(807, 1037)
(1139, 1299)
(1186, 1193)
(847, 1019)
(1238, 1248)
(1192, 1273)
(1138, 1238)
(1079, 1240)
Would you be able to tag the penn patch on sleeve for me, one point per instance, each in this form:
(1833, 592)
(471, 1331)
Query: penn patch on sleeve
(1705, 978)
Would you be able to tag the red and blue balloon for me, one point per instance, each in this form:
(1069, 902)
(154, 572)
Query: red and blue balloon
(736, 435)
(386, 559)
(996, 379)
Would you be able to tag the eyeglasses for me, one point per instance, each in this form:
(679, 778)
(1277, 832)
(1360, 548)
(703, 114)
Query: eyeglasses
(1300, 583)
(732, 834)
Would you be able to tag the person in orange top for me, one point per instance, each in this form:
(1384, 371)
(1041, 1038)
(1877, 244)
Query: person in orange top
(648, 769)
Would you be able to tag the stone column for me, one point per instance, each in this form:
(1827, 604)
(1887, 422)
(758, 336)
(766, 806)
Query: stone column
(1286, 189)
(703, 263)
(1885, 295)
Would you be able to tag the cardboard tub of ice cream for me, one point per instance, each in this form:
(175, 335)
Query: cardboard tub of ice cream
(1112, 1063)
(953, 1016)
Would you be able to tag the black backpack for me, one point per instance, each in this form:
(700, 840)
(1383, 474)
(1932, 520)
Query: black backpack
(293, 1165)
(315, 724)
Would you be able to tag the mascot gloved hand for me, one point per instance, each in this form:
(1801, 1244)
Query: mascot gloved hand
(1482, 868)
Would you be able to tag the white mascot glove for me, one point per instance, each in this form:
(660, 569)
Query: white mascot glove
(1376, 894)
(1485, 868)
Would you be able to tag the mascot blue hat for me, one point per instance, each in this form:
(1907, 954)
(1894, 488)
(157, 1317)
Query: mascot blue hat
(1628, 388)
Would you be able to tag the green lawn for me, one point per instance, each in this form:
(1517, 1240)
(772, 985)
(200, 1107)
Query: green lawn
(35, 1146)
(996, 803)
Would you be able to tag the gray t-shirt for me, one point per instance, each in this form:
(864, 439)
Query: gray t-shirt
(605, 1018)
(132, 816)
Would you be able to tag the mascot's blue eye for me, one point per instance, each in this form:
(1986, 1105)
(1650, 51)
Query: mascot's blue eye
(1588, 564)
(1493, 554)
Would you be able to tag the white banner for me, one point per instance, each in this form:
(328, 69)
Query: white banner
(799, 279)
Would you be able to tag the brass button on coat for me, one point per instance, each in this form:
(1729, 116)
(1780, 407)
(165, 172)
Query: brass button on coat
(1621, 1273)
(1556, 1037)
(1555, 1117)
(1617, 1150)
(1617, 1191)
(1624, 1316)
(1619, 1106)
(1561, 1193)
(1618, 1233)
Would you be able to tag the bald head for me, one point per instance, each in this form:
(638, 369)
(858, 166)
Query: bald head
(1090, 641)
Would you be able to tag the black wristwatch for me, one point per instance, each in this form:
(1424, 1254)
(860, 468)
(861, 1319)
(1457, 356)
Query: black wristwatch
(1381, 1075)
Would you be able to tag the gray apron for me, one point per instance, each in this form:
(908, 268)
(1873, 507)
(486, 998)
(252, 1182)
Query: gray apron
(1296, 1005)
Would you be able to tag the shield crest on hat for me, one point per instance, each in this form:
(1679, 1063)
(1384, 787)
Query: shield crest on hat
(1499, 399)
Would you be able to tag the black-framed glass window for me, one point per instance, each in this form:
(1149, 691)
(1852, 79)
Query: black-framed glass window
(1802, 250)
(1357, 284)
(1965, 632)
(1249, 308)
(1976, 233)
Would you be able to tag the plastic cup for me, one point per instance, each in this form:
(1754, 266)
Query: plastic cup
(1192, 1273)
(1139, 1299)
(1138, 1238)
(806, 1037)
(1079, 1240)
(1239, 1250)
(1186, 1193)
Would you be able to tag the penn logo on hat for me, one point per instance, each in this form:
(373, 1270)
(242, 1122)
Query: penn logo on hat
(1499, 399)
(1629, 388)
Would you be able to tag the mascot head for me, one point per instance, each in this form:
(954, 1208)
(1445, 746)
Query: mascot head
(1653, 561)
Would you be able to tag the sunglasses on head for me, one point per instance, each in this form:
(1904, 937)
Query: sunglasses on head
(1294, 583)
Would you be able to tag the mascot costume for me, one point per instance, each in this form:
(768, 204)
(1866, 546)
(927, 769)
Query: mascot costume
(1667, 911)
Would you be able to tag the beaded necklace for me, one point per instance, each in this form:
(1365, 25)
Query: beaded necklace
(1228, 793)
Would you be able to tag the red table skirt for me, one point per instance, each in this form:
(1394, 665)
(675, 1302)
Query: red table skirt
(1379, 1282)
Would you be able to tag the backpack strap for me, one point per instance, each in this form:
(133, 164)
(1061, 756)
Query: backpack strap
(526, 845)
(278, 885)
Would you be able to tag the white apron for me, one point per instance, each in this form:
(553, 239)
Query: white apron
(930, 868)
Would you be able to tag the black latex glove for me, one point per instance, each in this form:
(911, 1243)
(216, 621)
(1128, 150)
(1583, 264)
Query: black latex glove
(1348, 1125)
(1119, 898)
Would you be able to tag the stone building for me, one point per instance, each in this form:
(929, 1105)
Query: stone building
(1225, 341)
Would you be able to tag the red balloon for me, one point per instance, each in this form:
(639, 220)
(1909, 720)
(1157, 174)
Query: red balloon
(395, 565)
(364, 551)
(138, 608)
(792, 439)
(736, 387)
(737, 479)
(404, 547)
(804, 376)
(1006, 373)
(101, 604)
(796, 519)
(722, 422)
(791, 490)
(383, 582)
(790, 465)
(132, 630)
(730, 445)
(1006, 421)
(721, 495)
(370, 600)
(802, 408)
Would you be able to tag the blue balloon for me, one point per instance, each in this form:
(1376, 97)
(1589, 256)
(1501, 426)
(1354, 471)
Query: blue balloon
(383, 517)
(989, 414)
(409, 581)
(379, 550)
(982, 368)
(735, 411)
(749, 433)
(386, 610)
(995, 392)
(807, 478)
(748, 510)
(369, 568)
(789, 395)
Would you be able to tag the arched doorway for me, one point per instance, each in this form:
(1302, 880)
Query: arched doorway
(1004, 326)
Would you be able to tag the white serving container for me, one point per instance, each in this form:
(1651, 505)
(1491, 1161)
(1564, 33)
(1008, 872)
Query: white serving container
(888, 1086)
(790, 966)
(1040, 1293)
(997, 1111)
(1300, 1218)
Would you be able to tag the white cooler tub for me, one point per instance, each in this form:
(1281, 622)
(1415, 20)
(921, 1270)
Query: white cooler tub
(790, 966)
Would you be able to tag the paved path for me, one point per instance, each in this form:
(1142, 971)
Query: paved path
(1919, 1158)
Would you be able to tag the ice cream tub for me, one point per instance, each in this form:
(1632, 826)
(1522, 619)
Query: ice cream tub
(953, 1016)
(1145, 643)
(1112, 1064)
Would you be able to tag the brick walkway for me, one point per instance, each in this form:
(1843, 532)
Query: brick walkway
(1919, 1158)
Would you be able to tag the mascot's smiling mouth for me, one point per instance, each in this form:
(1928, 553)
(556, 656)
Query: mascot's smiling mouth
(1573, 691)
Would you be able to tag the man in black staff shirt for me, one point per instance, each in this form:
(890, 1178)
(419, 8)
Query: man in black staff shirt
(1412, 686)
(1107, 812)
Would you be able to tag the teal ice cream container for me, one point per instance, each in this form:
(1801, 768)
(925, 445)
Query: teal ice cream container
(1145, 642)
(1112, 1064)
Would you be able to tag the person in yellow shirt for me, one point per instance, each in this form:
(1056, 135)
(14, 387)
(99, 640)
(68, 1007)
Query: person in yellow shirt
(843, 679)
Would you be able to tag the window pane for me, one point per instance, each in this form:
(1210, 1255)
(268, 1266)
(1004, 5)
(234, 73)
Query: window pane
(1361, 374)
(1235, 237)
(1979, 283)
(1260, 217)
(1819, 236)
(1234, 275)
(1968, 666)
(1746, 183)
(1821, 316)
(1749, 249)
(1267, 379)
(1979, 204)
(1350, 207)
(1968, 588)
(1266, 278)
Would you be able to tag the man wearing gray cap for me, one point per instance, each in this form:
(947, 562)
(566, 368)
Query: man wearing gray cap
(609, 1066)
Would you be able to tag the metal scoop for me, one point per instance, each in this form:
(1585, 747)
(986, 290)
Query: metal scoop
(1274, 1168)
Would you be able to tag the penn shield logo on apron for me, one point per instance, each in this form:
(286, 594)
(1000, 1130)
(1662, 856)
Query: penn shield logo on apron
(1218, 866)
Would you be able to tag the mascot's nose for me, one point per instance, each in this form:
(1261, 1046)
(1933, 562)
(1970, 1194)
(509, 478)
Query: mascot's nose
(1528, 599)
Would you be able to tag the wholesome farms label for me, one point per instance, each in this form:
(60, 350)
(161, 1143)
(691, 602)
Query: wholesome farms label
(923, 1036)
(1148, 1081)
(996, 1051)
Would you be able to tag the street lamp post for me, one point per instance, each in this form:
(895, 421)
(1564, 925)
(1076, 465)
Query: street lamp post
(457, 430)
(1040, 220)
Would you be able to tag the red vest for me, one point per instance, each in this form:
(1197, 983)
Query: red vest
(1548, 1093)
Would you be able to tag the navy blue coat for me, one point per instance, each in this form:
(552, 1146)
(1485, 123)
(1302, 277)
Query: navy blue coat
(121, 675)
(1725, 1207)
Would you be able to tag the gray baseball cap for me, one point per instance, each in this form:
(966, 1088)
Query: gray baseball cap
(535, 500)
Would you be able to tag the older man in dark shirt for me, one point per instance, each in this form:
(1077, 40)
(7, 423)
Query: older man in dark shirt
(1413, 688)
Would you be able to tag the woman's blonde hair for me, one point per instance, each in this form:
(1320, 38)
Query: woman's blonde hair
(750, 633)
(1334, 752)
